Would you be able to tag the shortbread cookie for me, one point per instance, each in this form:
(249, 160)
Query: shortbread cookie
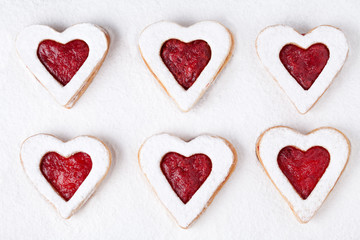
(304, 65)
(64, 63)
(186, 176)
(65, 173)
(304, 168)
(185, 60)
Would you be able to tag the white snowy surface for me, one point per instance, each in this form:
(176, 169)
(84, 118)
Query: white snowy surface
(125, 104)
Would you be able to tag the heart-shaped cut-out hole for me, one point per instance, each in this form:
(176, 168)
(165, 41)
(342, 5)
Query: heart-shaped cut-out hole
(185, 174)
(303, 169)
(65, 174)
(63, 60)
(185, 61)
(305, 65)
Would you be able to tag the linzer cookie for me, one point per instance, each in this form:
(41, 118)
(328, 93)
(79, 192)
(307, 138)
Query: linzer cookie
(185, 60)
(65, 173)
(304, 168)
(64, 63)
(186, 176)
(304, 65)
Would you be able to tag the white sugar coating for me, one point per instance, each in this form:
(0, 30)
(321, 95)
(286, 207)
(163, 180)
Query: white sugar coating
(215, 34)
(275, 139)
(154, 149)
(35, 147)
(27, 43)
(124, 105)
(272, 39)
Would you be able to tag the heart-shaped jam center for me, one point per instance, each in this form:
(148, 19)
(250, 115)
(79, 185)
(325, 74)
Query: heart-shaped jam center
(63, 60)
(185, 61)
(303, 169)
(65, 174)
(185, 174)
(305, 65)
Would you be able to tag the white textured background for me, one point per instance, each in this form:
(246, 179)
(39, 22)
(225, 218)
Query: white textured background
(124, 105)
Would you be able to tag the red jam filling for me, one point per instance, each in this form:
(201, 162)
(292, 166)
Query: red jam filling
(303, 169)
(63, 60)
(185, 61)
(65, 174)
(185, 174)
(305, 65)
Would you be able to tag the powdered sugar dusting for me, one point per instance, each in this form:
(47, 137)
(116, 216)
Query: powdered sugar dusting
(216, 35)
(275, 139)
(151, 154)
(35, 147)
(272, 39)
(27, 44)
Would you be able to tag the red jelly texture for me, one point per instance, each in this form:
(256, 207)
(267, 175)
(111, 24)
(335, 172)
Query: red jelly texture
(185, 61)
(185, 174)
(305, 65)
(65, 174)
(63, 60)
(303, 168)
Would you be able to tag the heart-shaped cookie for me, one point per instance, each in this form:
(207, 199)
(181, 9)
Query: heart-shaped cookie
(65, 173)
(304, 168)
(304, 65)
(185, 60)
(186, 175)
(64, 63)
